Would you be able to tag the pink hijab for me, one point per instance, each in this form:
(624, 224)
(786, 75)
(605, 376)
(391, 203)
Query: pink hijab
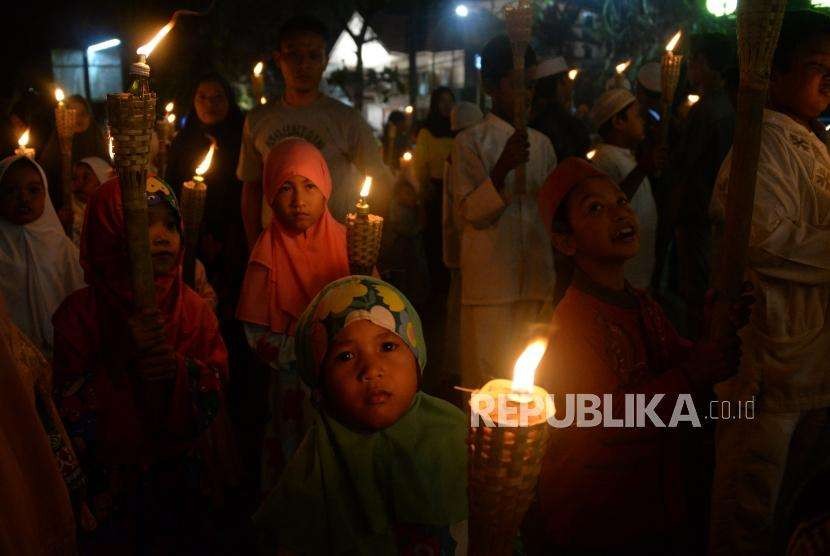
(288, 268)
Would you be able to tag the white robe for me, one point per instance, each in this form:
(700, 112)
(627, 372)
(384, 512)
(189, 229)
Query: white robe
(39, 267)
(506, 258)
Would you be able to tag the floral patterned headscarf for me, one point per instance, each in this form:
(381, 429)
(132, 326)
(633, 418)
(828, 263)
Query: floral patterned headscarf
(348, 300)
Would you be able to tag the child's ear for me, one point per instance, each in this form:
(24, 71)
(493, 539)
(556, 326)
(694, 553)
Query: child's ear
(564, 243)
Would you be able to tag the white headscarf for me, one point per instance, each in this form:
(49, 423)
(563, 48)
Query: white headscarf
(100, 167)
(39, 267)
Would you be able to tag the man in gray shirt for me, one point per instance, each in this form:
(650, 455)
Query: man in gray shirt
(339, 131)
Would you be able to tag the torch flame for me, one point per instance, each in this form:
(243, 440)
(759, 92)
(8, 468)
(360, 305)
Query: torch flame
(621, 67)
(409, 110)
(258, 68)
(591, 154)
(263, 100)
(673, 42)
(367, 186)
(525, 369)
(59, 96)
(407, 156)
(148, 48)
(572, 74)
(204, 166)
(24, 139)
(171, 118)
(692, 99)
(169, 107)
(111, 149)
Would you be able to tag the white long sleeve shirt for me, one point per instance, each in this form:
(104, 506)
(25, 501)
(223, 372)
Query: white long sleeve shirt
(787, 343)
(506, 253)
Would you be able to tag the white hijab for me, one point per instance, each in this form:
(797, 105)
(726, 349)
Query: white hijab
(39, 267)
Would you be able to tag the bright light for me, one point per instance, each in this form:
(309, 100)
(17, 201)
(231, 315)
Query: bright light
(258, 68)
(525, 369)
(477, 61)
(821, 3)
(59, 96)
(719, 8)
(367, 187)
(111, 149)
(263, 100)
(409, 110)
(591, 154)
(407, 156)
(204, 166)
(692, 99)
(623, 66)
(171, 118)
(169, 107)
(827, 127)
(92, 49)
(462, 11)
(572, 74)
(148, 48)
(673, 42)
(24, 139)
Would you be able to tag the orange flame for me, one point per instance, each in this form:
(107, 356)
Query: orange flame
(24, 139)
(59, 96)
(525, 369)
(258, 68)
(673, 42)
(204, 166)
(147, 49)
(367, 186)
(621, 67)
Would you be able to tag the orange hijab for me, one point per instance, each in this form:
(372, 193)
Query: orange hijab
(288, 268)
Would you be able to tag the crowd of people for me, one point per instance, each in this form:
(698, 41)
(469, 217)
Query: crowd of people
(283, 405)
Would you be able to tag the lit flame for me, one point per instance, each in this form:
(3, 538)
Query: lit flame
(24, 139)
(258, 68)
(409, 109)
(827, 127)
(621, 67)
(171, 118)
(407, 156)
(111, 149)
(367, 186)
(525, 369)
(169, 107)
(692, 99)
(673, 42)
(204, 166)
(263, 100)
(572, 74)
(591, 154)
(148, 48)
(59, 96)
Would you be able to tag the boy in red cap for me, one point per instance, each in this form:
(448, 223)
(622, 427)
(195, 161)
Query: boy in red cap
(612, 489)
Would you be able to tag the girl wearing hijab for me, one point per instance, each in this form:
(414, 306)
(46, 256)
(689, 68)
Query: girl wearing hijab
(38, 263)
(302, 250)
(383, 468)
(88, 175)
(142, 402)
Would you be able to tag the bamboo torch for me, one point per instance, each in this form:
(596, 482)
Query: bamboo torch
(131, 118)
(519, 21)
(364, 232)
(507, 440)
(669, 77)
(194, 193)
(65, 126)
(759, 23)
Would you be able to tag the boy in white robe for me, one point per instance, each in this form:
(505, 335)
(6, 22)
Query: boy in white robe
(618, 117)
(506, 258)
(786, 361)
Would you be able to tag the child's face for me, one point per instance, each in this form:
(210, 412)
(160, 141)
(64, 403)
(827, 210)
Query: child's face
(299, 204)
(804, 90)
(603, 225)
(82, 118)
(22, 194)
(504, 94)
(84, 181)
(165, 240)
(632, 127)
(370, 376)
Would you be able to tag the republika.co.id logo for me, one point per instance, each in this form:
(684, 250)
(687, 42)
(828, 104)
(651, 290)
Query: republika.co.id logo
(608, 410)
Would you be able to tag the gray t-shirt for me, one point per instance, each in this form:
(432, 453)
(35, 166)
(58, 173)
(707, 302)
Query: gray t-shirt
(345, 139)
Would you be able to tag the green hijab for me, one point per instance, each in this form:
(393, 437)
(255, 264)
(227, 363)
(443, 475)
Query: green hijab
(344, 490)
